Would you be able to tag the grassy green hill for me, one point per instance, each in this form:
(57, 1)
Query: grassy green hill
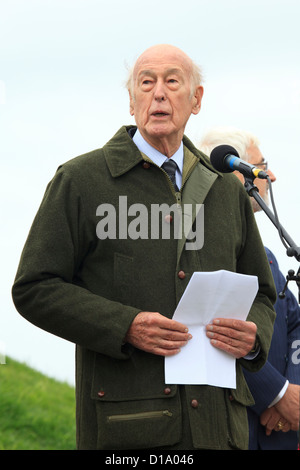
(36, 412)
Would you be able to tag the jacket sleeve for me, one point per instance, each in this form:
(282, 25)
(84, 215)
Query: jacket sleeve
(253, 260)
(264, 386)
(290, 310)
(45, 290)
(293, 366)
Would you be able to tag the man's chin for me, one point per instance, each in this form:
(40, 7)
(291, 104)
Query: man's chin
(162, 131)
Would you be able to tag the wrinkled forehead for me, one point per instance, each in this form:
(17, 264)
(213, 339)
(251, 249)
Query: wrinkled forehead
(161, 59)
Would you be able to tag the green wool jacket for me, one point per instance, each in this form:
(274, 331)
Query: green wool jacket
(88, 290)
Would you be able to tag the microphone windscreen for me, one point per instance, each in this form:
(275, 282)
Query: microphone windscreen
(218, 156)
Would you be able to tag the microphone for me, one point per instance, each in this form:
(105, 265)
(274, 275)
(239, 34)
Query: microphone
(225, 158)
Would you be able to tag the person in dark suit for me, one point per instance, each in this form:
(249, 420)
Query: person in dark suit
(275, 387)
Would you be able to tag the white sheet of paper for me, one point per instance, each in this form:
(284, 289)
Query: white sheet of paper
(209, 295)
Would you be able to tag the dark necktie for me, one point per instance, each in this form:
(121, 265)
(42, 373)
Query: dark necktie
(170, 167)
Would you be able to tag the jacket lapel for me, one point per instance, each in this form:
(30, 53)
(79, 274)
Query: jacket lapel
(194, 193)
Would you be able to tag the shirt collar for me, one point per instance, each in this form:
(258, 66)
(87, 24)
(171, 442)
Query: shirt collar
(157, 157)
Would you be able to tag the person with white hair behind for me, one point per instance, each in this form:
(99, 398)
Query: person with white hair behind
(275, 387)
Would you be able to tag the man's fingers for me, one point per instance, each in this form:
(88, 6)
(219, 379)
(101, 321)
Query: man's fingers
(237, 326)
(236, 337)
(156, 334)
(151, 319)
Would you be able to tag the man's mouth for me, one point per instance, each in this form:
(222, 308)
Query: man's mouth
(160, 114)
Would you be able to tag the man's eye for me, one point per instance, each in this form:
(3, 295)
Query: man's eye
(173, 83)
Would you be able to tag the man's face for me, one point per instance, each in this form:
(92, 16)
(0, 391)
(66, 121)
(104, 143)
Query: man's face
(256, 158)
(162, 101)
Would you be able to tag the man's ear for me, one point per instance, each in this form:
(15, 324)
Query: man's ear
(197, 99)
(131, 104)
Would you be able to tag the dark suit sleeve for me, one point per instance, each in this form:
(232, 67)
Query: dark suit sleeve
(293, 324)
(264, 385)
(289, 309)
(283, 362)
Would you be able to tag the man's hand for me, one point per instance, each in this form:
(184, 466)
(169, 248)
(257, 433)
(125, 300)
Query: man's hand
(236, 337)
(156, 334)
(289, 406)
(284, 415)
(273, 421)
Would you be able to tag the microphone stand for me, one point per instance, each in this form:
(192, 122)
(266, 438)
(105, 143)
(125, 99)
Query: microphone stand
(293, 249)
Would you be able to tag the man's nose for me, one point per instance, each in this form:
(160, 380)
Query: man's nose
(271, 176)
(160, 92)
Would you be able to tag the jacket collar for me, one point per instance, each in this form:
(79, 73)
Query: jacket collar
(122, 154)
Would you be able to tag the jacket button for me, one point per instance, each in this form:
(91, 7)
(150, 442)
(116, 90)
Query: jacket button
(167, 391)
(181, 274)
(101, 394)
(194, 403)
(231, 398)
(146, 165)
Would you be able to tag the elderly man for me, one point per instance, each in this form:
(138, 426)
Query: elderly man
(276, 387)
(88, 275)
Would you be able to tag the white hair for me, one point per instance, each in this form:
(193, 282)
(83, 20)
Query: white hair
(239, 139)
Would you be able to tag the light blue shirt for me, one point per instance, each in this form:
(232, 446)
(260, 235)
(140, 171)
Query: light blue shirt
(157, 157)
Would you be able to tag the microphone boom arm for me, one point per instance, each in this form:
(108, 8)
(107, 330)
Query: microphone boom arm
(292, 249)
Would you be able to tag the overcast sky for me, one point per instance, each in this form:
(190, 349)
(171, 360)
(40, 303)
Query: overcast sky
(63, 64)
